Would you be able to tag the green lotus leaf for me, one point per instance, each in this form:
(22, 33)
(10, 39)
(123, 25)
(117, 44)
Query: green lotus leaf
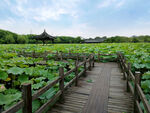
(15, 70)
(3, 75)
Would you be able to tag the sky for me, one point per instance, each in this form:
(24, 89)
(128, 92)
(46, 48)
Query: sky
(85, 18)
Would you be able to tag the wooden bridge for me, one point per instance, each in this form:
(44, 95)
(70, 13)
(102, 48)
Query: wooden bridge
(99, 88)
(102, 90)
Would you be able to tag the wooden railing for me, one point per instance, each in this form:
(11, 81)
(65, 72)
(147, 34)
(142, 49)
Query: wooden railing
(61, 55)
(26, 103)
(135, 89)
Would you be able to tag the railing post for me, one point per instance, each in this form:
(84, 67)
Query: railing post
(85, 66)
(90, 64)
(98, 56)
(27, 98)
(93, 63)
(118, 59)
(61, 82)
(76, 73)
(69, 53)
(136, 97)
(123, 68)
(57, 58)
(121, 61)
(33, 54)
(77, 57)
(128, 76)
(61, 57)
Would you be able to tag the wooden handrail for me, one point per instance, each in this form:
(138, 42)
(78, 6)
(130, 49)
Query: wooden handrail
(61, 55)
(15, 107)
(70, 71)
(137, 90)
(131, 75)
(45, 88)
(143, 98)
(43, 107)
(24, 103)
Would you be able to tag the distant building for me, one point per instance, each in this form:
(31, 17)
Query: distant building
(100, 40)
(44, 37)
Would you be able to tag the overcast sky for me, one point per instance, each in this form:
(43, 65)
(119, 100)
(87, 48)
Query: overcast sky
(86, 18)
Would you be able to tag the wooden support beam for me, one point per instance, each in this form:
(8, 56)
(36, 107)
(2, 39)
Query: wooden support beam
(128, 76)
(90, 63)
(98, 57)
(27, 98)
(93, 63)
(136, 96)
(76, 73)
(33, 54)
(61, 57)
(85, 66)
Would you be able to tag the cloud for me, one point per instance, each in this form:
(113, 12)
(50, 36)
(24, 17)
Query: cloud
(109, 3)
(120, 3)
(40, 10)
(7, 23)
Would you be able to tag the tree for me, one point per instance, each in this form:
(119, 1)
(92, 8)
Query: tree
(9, 39)
(96, 38)
(78, 39)
(135, 40)
(22, 39)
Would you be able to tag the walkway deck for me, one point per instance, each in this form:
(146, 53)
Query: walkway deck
(102, 91)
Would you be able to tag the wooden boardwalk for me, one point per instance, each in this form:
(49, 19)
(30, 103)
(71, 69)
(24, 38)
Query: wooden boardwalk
(101, 91)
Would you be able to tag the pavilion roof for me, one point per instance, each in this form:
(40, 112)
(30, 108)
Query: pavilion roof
(44, 36)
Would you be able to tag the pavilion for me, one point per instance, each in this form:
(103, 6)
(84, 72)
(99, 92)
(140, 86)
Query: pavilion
(44, 37)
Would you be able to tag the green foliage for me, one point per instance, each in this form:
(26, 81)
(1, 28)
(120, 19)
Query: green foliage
(9, 98)
(48, 94)
(23, 78)
(22, 39)
(7, 37)
(145, 84)
(15, 70)
(36, 104)
(135, 40)
(3, 75)
(89, 81)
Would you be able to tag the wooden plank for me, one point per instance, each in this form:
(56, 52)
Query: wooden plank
(119, 100)
(75, 97)
(95, 94)
(98, 99)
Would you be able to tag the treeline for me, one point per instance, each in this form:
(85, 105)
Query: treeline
(7, 37)
(133, 39)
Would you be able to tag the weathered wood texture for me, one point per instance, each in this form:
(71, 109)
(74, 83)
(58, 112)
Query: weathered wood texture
(102, 91)
(136, 80)
(120, 101)
(76, 97)
(98, 99)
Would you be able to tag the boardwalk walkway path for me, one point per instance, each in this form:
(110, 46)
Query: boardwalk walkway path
(103, 90)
